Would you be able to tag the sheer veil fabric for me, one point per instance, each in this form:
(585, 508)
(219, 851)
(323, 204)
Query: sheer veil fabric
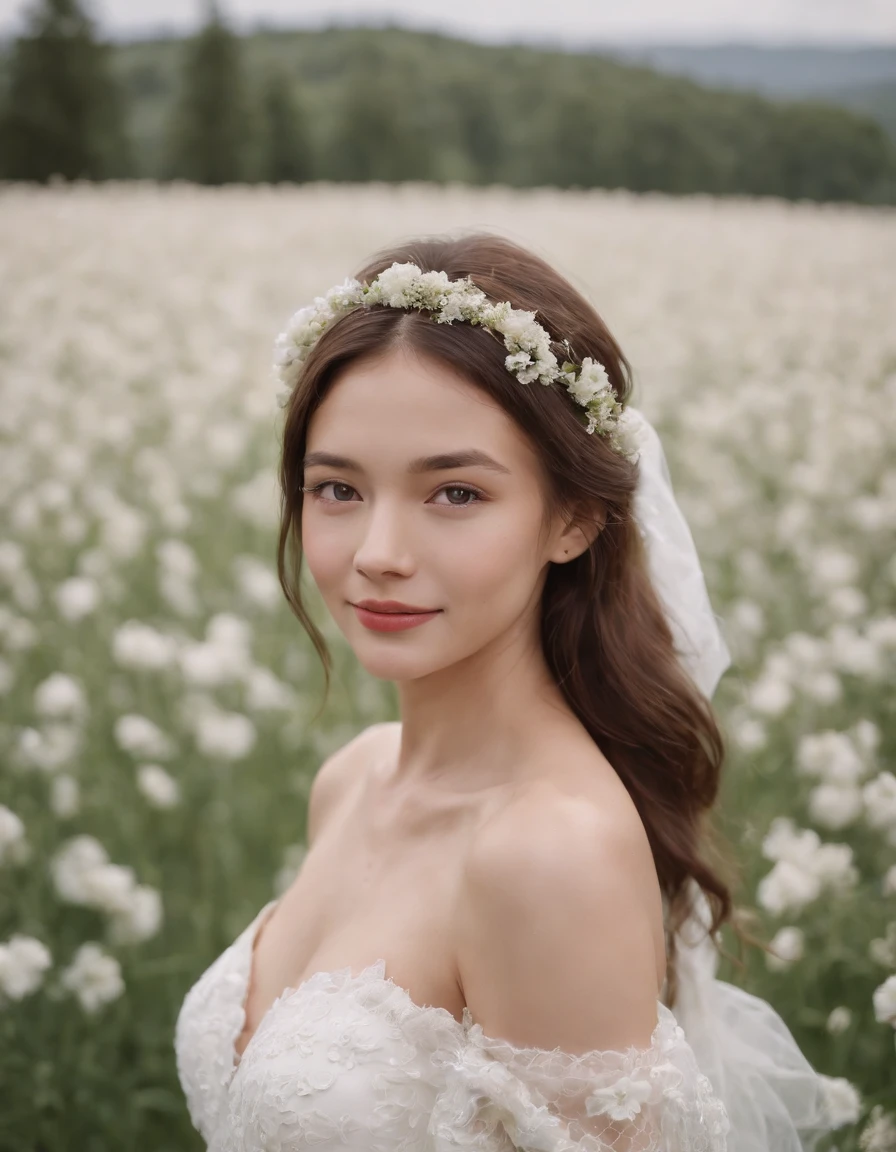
(774, 1098)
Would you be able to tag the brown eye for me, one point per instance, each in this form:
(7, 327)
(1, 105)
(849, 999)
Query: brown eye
(463, 490)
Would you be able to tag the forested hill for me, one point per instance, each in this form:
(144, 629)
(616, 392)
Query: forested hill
(389, 104)
(393, 104)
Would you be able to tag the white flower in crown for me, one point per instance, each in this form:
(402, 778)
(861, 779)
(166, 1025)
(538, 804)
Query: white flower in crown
(591, 382)
(528, 343)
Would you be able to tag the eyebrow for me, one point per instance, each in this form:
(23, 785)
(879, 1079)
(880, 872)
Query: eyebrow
(443, 461)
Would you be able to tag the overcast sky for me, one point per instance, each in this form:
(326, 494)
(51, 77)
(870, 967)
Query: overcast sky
(565, 21)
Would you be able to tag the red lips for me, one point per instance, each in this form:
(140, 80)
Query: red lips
(390, 606)
(391, 615)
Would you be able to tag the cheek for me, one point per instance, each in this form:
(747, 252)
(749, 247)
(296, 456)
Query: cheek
(325, 553)
(498, 564)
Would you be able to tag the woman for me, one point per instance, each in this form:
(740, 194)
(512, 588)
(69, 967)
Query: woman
(482, 946)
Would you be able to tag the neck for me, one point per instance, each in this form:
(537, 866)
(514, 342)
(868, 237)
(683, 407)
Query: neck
(478, 723)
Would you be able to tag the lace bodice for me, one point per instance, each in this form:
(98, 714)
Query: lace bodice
(350, 1061)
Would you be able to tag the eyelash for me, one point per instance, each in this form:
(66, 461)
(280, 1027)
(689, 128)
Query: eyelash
(315, 492)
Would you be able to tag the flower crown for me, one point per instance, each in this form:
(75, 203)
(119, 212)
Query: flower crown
(527, 342)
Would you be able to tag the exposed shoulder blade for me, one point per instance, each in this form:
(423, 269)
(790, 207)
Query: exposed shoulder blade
(341, 769)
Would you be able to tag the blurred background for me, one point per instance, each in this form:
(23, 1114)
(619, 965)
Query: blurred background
(176, 180)
(794, 99)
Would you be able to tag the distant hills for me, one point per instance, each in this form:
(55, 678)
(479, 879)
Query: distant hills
(361, 103)
(862, 79)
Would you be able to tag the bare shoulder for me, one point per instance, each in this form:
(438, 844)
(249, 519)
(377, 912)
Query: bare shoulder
(342, 768)
(558, 941)
(548, 840)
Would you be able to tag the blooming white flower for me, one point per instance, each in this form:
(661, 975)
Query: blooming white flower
(847, 602)
(770, 696)
(787, 888)
(839, 1020)
(49, 748)
(825, 687)
(883, 949)
(94, 977)
(257, 501)
(750, 734)
(77, 597)
(854, 653)
(879, 796)
(266, 693)
(866, 735)
(784, 841)
(833, 865)
(224, 735)
(205, 666)
(747, 616)
(179, 594)
(60, 695)
(123, 531)
(65, 796)
(884, 999)
(230, 633)
(18, 632)
(12, 560)
(139, 646)
(834, 806)
(141, 737)
(256, 582)
(108, 887)
(879, 1135)
(888, 884)
(14, 847)
(834, 568)
(882, 632)
(830, 756)
(788, 945)
(139, 918)
(23, 961)
(160, 789)
(843, 1101)
(224, 657)
(74, 860)
(809, 652)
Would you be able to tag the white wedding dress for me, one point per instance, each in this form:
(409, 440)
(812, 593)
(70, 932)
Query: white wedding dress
(351, 1062)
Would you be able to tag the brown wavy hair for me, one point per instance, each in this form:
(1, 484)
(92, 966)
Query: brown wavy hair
(604, 633)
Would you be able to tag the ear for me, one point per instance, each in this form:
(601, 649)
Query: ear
(578, 535)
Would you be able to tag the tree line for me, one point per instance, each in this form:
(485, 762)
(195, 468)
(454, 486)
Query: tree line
(364, 104)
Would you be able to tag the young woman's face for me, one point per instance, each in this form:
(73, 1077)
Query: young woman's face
(464, 539)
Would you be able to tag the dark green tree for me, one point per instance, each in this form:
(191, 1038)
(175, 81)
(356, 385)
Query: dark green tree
(64, 112)
(286, 153)
(470, 102)
(383, 132)
(208, 136)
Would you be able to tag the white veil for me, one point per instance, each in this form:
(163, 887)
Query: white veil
(774, 1098)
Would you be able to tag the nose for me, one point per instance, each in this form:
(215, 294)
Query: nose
(382, 549)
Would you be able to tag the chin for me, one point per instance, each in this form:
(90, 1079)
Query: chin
(392, 666)
(410, 664)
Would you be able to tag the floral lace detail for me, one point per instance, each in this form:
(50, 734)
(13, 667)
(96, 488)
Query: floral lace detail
(637, 1100)
(352, 1062)
(209, 1023)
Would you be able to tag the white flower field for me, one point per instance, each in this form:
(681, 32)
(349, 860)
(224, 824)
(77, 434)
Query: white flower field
(161, 716)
